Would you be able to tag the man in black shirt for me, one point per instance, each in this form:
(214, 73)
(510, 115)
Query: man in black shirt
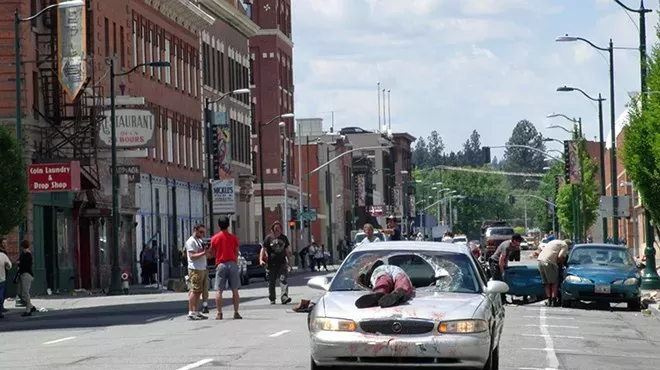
(25, 277)
(277, 252)
(393, 230)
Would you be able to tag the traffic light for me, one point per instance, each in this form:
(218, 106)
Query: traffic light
(292, 225)
(215, 153)
(486, 153)
(567, 163)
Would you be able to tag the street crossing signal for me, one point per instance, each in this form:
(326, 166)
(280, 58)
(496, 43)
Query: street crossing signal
(215, 154)
(294, 214)
(486, 153)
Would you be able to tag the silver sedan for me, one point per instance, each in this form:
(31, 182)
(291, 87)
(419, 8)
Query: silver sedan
(454, 319)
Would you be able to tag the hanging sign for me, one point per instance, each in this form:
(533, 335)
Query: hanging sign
(72, 48)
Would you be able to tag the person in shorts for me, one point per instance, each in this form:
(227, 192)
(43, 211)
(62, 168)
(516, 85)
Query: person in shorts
(553, 254)
(225, 246)
(197, 271)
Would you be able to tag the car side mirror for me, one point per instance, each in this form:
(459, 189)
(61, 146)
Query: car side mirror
(497, 287)
(319, 283)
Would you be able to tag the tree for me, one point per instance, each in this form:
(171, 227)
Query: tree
(523, 159)
(435, 148)
(641, 143)
(548, 190)
(472, 155)
(588, 192)
(13, 186)
(421, 153)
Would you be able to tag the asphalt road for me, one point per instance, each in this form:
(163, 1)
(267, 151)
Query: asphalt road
(151, 332)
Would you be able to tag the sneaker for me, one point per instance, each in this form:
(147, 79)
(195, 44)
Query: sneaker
(205, 309)
(34, 309)
(392, 299)
(237, 316)
(286, 300)
(193, 317)
(369, 300)
(201, 317)
(272, 302)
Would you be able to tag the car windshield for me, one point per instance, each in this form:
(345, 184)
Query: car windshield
(434, 271)
(500, 231)
(360, 237)
(250, 248)
(601, 256)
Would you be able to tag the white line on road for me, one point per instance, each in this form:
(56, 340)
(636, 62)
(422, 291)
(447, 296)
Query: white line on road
(60, 340)
(543, 325)
(156, 318)
(553, 361)
(196, 364)
(552, 351)
(551, 317)
(279, 333)
(536, 368)
(552, 336)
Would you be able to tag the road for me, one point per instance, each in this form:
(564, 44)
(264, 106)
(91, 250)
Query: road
(151, 332)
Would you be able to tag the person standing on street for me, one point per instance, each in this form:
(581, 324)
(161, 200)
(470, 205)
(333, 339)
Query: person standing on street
(553, 254)
(393, 230)
(369, 234)
(5, 265)
(225, 246)
(197, 271)
(499, 261)
(25, 277)
(278, 254)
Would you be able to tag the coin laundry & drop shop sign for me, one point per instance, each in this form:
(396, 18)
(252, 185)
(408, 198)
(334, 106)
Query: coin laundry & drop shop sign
(135, 129)
(54, 177)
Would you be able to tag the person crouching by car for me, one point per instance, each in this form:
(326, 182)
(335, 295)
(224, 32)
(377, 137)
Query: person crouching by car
(549, 259)
(499, 261)
(390, 286)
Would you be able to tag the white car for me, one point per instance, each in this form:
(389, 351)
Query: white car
(460, 239)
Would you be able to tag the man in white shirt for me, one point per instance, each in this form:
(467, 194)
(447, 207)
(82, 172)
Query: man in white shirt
(5, 264)
(197, 271)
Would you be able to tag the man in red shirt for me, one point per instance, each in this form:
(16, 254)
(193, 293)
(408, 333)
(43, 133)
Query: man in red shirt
(225, 246)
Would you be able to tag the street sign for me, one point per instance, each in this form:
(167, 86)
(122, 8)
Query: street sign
(606, 206)
(53, 177)
(132, 172)
(309, 215)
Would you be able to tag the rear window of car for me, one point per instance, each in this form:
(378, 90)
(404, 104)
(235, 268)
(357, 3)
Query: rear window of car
(250, 248)
(499, 231)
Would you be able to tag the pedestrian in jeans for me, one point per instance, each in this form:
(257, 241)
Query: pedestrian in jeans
(5, 265)
(499, 261)
(275, 248)
(25, 277)
(197, 271)
(553, 254)
(225, 246)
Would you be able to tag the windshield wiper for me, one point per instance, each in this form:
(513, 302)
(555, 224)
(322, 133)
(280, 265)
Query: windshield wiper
(349, 290)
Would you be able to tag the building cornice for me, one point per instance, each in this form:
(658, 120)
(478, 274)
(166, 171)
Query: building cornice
(226, 12)
(275, 32)
(184, 13)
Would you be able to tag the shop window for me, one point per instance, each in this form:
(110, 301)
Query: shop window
(104, 245)
(64, 242)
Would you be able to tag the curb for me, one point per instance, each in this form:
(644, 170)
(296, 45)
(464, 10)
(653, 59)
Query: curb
(654, 310)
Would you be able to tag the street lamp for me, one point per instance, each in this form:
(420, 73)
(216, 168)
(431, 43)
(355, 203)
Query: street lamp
(209, 160)
(601, 144)
(559, 127)
(549, 139)
(610, 50)
(17, 50)
(285, 178)
(115, 282)
(261, 168)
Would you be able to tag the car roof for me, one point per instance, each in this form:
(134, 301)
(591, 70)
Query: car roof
(599, 245)
(413, 246)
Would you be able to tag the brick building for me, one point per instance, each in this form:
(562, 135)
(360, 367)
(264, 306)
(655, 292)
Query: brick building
(271, 51)
(403, 189)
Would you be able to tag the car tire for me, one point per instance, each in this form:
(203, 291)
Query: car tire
(634, 305)
(314, 366)
(493, 362)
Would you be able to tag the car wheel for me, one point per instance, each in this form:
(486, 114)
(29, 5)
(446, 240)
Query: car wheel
(314, 366)
(493, 362)
(634, 305)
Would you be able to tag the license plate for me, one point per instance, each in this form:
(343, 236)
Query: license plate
(602, 289)
(249, 263)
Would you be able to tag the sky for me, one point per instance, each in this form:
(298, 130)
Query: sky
(459, 65)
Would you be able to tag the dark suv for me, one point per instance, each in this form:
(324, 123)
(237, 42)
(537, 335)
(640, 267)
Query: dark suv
(250, 251)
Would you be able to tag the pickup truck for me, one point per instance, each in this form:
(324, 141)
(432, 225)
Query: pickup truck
(494, 236)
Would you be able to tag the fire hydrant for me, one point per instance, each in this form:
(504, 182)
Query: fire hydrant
(125, 281)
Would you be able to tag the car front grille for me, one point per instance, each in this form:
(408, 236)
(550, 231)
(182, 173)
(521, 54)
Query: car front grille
(397, 327)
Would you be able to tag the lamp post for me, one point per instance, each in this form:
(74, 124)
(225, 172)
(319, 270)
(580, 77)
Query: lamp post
(601, 144)
(615, 203)
(115, 282)
(285, 175)
(17, 61)
(261, 169)
(208, 117)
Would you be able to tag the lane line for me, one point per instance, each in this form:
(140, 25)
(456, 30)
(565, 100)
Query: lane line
(279, 333)
(551, 317)
(543, 325)
(196, 364)
(536, 368)
(155, 318)
(553, 361)
(551, 351)
(553, 336)
(60, 340)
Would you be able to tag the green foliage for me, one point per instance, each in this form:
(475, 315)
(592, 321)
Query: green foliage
(520, 230)
(641, 144)
(547, 190)
(588, 193)
(13, 186)
(522, 159)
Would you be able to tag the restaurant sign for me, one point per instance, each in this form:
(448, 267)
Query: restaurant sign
(135, 129)
(54, 177)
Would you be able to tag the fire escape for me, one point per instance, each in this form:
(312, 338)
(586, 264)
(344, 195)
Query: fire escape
(71, 126)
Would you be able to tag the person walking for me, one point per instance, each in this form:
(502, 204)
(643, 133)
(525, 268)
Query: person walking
(197, 271)
(5, 265)
(549, 259)
(499, 261)
(225, 246)
(25, 277)
(277, 252)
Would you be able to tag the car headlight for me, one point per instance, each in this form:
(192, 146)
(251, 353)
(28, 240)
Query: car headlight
(577, 279)
(463, 327)
(330, 324)
(629, 281)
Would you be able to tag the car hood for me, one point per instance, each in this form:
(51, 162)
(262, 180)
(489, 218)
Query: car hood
(600, 273)
(424, 305)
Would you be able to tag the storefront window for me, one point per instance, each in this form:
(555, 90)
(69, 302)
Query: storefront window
(64, 242)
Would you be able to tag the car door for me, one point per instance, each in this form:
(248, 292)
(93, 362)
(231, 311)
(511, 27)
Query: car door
(494, 302)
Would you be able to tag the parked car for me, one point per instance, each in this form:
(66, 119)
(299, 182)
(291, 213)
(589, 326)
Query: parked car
(242, 266)
(250, 251)
(495, 236)
(601, 273)
(460, 239)
(454, 307)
